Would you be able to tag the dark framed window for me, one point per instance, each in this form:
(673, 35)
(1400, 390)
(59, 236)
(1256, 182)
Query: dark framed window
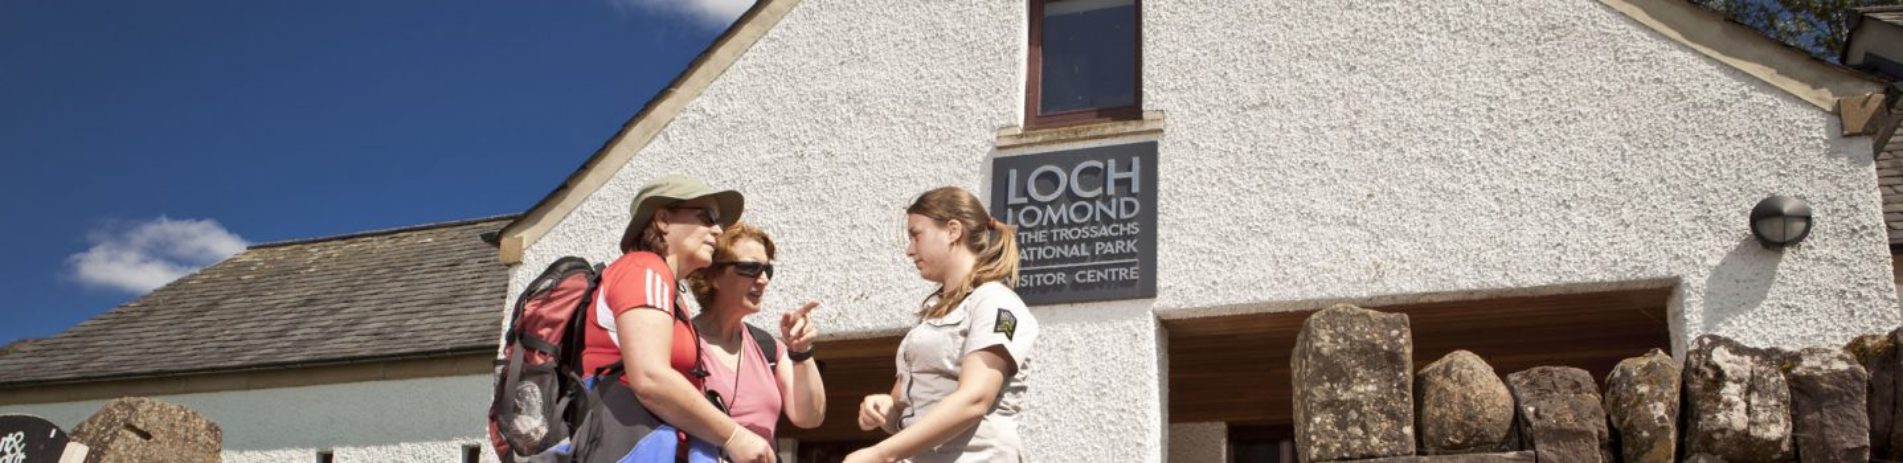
(1085, 63)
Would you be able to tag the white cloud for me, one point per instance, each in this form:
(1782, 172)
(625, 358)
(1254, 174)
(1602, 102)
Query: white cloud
(143, 256)
(710, 13)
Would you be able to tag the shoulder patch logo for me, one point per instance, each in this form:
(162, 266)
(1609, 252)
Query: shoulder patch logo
(1007, 324)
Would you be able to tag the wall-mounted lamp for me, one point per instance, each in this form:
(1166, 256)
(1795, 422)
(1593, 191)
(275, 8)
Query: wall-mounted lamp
(1780, 221)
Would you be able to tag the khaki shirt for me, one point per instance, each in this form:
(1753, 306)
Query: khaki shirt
(928, 361)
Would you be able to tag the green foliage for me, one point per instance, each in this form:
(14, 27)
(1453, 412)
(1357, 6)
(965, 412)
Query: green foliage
(1816, 26)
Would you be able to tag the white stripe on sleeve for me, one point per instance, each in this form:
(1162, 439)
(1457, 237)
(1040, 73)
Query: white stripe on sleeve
(667, 297)
(648, 284)
(605, 317)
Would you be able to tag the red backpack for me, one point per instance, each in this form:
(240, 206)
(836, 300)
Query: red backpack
(539, 397)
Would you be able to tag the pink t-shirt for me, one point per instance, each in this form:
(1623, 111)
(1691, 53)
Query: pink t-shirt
(753, 398)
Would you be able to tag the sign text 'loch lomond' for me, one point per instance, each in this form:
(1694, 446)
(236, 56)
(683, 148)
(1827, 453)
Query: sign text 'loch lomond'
(1086, 221)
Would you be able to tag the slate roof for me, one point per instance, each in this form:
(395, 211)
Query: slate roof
(415, 292)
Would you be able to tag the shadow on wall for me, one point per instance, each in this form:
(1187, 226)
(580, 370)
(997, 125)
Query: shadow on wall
(1739, 283)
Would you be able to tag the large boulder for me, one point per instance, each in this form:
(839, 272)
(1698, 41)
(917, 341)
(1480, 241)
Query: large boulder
(1561, 419)
(1642, 402)
(1461, 406)
(1352, 371)
(1827, 404)
(1737, 404)
(1878, 355)
(138, 429)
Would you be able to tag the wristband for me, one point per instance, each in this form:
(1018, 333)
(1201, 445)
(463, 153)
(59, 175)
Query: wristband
(731, 435)
(798, 357)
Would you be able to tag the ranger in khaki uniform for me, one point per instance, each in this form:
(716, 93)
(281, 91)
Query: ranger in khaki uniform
(991, 316)
(963, 371)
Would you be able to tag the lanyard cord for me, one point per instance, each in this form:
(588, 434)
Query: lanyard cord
(700, 362)
(700, 365)
(738, 364)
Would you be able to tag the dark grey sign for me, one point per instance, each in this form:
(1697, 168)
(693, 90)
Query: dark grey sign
(1086, 221)
(30, 439)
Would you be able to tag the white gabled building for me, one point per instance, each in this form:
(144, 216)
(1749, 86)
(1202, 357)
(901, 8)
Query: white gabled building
(368, 347)
(1558, 182)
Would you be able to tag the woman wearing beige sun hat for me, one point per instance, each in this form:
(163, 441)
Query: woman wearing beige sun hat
(674, 222)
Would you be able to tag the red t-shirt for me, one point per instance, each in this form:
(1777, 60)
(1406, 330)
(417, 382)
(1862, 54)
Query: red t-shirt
(638, 280)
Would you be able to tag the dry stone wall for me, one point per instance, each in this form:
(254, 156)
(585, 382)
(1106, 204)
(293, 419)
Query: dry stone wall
(1357, 399)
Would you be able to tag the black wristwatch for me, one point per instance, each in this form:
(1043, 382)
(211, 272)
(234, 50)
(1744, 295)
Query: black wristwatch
(800, 356)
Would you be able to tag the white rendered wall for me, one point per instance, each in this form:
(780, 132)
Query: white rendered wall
(1313, 152)
(1396, 150)
(414, 420)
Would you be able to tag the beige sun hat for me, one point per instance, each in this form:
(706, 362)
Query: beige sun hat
(674, 188)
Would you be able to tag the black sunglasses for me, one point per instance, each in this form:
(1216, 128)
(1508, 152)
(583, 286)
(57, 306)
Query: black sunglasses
(708, 216)
(749, 269)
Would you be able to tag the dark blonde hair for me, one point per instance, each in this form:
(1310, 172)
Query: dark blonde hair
(723, 252)
(995, 243)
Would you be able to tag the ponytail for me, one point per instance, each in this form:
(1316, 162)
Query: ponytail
(999, 259)
(994, 242)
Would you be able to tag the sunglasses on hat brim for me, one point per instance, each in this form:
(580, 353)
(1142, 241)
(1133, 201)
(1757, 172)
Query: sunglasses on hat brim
(708, 215)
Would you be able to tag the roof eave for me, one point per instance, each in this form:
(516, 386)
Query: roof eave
(419, 355)
(1827, 86)
(638, 131)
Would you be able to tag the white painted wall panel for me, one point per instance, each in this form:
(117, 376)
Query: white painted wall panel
(413, 420)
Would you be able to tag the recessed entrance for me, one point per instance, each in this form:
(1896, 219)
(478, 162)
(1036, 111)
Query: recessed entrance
(1235, 369)
(852, 369)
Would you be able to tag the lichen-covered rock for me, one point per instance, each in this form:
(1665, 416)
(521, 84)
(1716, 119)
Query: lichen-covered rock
(1352, 370)
(1878, 355)
(1642, 401)
(1561, 419)
(1737, 404)
(138, 429)
(1461, 406)
(1831, 424)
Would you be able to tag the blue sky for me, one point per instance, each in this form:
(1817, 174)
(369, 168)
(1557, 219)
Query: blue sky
(143, 139)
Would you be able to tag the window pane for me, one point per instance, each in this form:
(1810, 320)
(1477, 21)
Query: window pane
(1089, 55)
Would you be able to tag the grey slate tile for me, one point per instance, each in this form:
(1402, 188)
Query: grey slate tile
(399, 292)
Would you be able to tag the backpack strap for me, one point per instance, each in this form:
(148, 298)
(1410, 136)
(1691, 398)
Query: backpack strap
(700, 365)
(765, 339)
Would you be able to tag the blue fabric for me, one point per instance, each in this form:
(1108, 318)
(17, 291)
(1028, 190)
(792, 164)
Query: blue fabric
(662, 445)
